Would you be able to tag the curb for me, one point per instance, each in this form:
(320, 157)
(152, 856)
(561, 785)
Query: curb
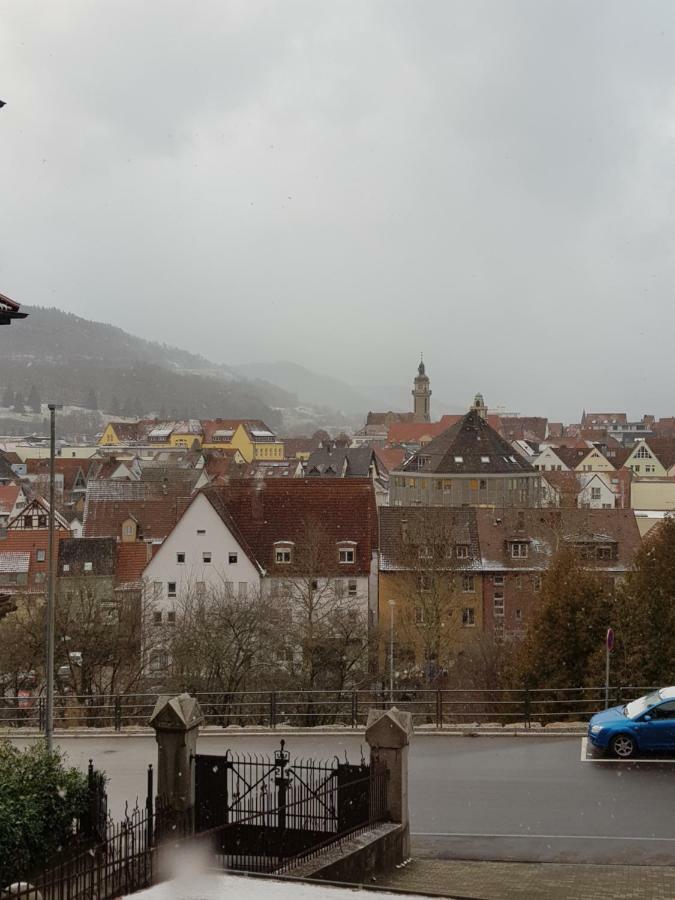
(210, 732)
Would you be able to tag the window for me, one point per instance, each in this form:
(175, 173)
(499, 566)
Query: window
(231, 558)
(425, 582)
(171, 617)
(283, 555)
(88, 567)
(519, 615)
(180, 558)
(39, 577)
(462, 551)
(499, 580)
(536, 583)
(419, 615)
(468, 584)
(315, 584)
(201, 531)
(459, 459)
(42, 521)
(519, 550)
(642, 452)
(171, 588)
(40, 557)
(27, 521)
(664, 711)
(485, 459)
(66, 567)
(636, 468)
(157, 617)
(346, 555)
(206, 557)
(498, 603)
(128, 530)
(595, 493)
(649, 470)
(468, 616)
(482, 484)
(603, 553)
(160, 662)
(243, 590)
(351, 587)
(425, 552)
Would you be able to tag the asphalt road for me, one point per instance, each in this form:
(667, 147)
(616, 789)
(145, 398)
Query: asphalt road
(500, 798)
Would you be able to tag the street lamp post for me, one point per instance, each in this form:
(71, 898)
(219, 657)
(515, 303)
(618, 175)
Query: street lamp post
(391, 651)
(49, 718)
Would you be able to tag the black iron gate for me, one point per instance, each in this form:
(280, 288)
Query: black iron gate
(259, 806)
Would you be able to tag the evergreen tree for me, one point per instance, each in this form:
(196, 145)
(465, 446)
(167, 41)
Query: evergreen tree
(8, 397)
(91, 401)
(645, 613)
(34, 400)
(568, 630)
(18, 406)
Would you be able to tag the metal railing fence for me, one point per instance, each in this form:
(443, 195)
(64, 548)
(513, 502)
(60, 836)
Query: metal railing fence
(522, 707)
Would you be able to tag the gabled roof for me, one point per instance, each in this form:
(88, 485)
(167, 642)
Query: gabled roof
(37, 506)
(471, 445)
(343, 462)
(514, 428)
(265, 511)
(663, 449)
(390, 457)
(410, 432)
(255, 428)
(590, 419)
(69, 468)
(156, 507)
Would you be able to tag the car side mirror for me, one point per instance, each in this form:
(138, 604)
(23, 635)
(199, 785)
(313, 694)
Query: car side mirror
(646, 718)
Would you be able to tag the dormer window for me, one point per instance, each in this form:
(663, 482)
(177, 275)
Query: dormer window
(459, 459)
(519, 550)
(425, 552)
(88, 567)
(283, 553)
(462, 551)
(346, 552)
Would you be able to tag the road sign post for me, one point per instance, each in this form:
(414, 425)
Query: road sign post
(609, 646)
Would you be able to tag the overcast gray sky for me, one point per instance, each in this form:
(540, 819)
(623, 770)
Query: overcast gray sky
(346, 183)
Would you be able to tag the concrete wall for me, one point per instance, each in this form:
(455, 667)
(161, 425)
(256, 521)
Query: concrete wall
(356, 859)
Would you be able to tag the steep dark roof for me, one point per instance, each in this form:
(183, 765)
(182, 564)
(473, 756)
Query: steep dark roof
(469, 446)
(341, 462)
(100, 552)
(405, 530)
(264, 511)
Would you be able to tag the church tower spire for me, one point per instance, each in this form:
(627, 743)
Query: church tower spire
(421, 395)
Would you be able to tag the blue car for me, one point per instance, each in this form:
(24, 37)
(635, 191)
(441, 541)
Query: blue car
(647, 723)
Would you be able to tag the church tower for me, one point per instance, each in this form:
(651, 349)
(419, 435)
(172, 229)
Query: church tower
(422, 395)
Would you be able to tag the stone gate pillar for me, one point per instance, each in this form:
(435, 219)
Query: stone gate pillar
(176, 721)
(388, 733)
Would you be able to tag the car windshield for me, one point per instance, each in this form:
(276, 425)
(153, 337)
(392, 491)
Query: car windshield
(637, 707)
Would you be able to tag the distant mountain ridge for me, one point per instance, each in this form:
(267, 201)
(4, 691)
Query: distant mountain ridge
(66, 357)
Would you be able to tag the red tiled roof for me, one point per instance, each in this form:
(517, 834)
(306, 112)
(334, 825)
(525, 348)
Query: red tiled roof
(517, 428)
(156, 507)
(69, 468)
(8, 495)
(269, 510)
(30, 541)
(131, 560)
(390, 457)
(549, 529)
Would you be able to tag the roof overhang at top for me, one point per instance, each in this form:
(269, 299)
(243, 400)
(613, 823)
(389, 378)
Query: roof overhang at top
(9, 310)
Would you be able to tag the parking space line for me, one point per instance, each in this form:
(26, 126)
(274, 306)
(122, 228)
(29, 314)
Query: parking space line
(612, 759)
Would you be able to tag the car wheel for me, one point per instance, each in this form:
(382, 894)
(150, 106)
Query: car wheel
(623, 746)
